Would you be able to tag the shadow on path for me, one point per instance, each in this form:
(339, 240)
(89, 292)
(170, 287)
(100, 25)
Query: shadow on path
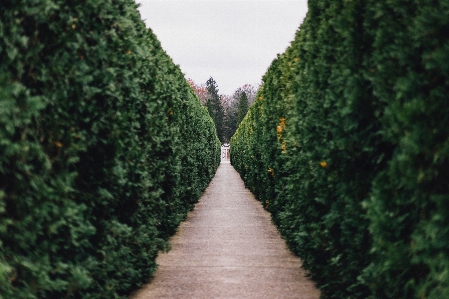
(228, 248)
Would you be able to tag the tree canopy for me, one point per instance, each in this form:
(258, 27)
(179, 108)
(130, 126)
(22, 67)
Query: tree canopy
(224, 109)
(214, 107)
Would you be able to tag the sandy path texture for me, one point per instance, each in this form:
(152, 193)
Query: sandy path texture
(228, 248)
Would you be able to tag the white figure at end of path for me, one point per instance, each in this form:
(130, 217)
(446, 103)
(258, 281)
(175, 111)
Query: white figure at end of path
(225, 153)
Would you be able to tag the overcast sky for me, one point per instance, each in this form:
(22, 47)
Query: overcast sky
(234, 41)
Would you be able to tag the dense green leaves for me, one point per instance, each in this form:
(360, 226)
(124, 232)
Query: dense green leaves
(346, 146)
(98, 164)
(409, 204)
(215, 108)
(243, 107)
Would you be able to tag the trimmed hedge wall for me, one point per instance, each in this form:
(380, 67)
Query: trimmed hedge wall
(104, 149)
(348, 147)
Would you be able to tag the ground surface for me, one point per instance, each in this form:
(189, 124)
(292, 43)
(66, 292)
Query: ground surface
(228, 248)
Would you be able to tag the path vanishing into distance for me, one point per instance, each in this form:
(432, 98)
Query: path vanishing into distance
(228, 248)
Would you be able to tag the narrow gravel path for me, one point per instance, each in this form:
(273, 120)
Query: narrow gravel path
(228, 248)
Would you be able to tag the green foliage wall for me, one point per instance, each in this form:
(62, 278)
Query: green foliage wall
(98, 164)
(243, 107)
(347, 145)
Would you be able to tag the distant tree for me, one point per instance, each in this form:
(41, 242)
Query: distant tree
(215, 107)
(230, 121)
(250, 91)
(231, 108)
(226, 100)
(200, 90)
(226, 115)
(243, 107)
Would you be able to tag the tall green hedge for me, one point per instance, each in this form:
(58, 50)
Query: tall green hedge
(104, 149)
(348, 143)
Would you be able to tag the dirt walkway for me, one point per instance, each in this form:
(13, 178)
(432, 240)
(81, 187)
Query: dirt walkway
(228, 248)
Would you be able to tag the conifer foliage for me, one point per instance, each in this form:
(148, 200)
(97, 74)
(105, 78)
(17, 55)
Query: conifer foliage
(347, 145)
(215, 107)
(243, 107)
(104, 149)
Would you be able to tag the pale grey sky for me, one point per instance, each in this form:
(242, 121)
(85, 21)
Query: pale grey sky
(234, 41)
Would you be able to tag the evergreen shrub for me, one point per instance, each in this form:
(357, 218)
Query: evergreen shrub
(104, 149)
(347, 147)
